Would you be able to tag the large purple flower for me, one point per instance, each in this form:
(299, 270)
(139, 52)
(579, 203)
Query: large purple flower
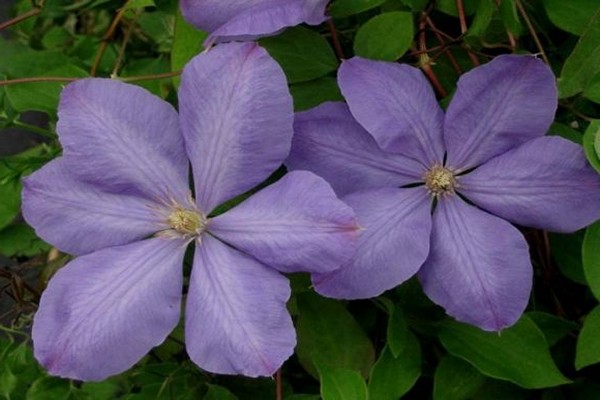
(394, 155)
(119, 199)
(227, 20)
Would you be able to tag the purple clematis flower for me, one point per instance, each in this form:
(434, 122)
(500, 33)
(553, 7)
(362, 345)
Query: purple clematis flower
(119, 199)
(483, 163)
(228, 20)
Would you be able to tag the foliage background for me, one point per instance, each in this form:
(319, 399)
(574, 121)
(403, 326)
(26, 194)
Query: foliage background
(397, 345)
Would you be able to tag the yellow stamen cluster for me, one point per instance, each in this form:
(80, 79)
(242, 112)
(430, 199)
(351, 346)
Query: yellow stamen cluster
(440, 180)
(187, 222)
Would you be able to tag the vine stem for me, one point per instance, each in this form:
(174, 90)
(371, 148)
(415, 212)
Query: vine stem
(335, 39)
(424, 60)
(20, 18)
(534, 34)
(105, 39)
(460, 7)
(72, 79)
(278, 386)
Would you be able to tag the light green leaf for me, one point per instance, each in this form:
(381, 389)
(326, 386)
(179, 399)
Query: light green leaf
(590, 253)
(303, 54)
(588, 343)
(328, 335)
(518, 354)
(345, 8)
(392, 377)
(218, 393)
(590, 137)
(456, 379)
(341, 384)
(581, 66)
(385, 37)
(187, 43)
(571, 15)
(312, 93)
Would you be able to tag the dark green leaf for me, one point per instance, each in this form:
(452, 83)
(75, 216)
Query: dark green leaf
(385, 37)
(392, 377)
(10, 200)
(303, 54)
(566, 251)
(330, 336)
(310, 94)
(571, 15)
(566, 132)
(218, 393)
(341, 384)
(398, 334)
(49, 388)
(590, 253)
(554, 328)
(20, 240)
(345, 8)
(482, 19)
(518, 354)
(588, 343)
(456, 379)
(449, 6)
(510, 17)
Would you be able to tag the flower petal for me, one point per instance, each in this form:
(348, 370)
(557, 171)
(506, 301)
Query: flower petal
(78, 218)
(391, 248)
(498, 106)
(329, 142)
(250, 19)
(479, 268)
(104, 311)
(237, 119)
(545, 183)
(123, 139)
(396, 104)
(236, 316)
(296, 224)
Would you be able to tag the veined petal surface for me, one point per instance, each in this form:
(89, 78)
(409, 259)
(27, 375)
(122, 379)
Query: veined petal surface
(79, 218)
(329, 142)
(497, 106)
(545, 183)
(250, 19)
(478, 267)
(236, 317)
(123, 139)
(295, 224)
(104, 311)
(237, 119)
(392, 246)
(396, 104)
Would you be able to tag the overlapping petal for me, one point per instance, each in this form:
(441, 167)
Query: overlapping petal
(545, 183)
(104, 311)
(250, 19)
(396, 104)
(296, 224)
(497, 106)
(236, 316)
(78, 218)
(392, 246)
(122, 139)
(478, 268)
(237, 119)
(328, 141)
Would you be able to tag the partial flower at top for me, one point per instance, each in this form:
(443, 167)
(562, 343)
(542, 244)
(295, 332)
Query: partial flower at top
(395, 156)
(119, 199)
(227, 20)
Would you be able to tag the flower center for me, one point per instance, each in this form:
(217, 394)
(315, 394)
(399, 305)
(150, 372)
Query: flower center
(440, 180)
(187, 222)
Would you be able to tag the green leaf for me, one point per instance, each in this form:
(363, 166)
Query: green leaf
(449, 6)
(398, 334)
(303, 54)
(42, 96)
(10, 193)
(499, 390)
(510, 16)
(134, 4)
(482, 19)
(566, 132)
(345, 8)
(590, 137)
(20, 240)
(566, 251)
(328, 335)
(187, 43)
(588, 342)
(105, 390)
(8, 382)
(392, 377)
(581, 66)
(456, 379)
(572, 15)
(49, 388)
(518, 354)
(416, 5)
(312, 93)
(590, 253)
(554, 328)
(218, 393)
(385, 37)
(341, 384)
